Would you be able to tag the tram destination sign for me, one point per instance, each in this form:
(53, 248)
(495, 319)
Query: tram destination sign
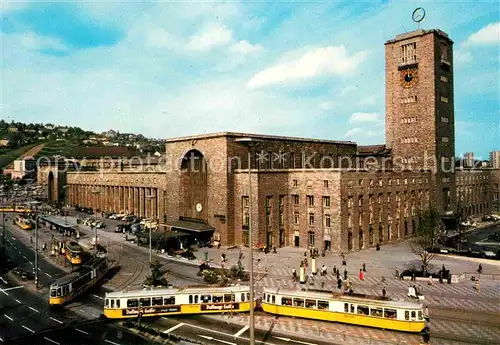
(151, 310)
(225, 306)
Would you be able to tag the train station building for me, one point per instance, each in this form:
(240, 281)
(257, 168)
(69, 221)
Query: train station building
(305, 192)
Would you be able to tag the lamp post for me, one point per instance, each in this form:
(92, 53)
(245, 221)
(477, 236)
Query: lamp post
(249, 143)
(36, 249)
(95, 192)
(150, 197)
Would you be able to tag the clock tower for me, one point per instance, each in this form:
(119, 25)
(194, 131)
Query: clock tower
(420, 118)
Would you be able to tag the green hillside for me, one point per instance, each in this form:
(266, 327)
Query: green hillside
(57, 147)
(8, 155)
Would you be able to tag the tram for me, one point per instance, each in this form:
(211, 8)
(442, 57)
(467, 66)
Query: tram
(24, 223)
(73, 252)
(168, 301)
(66, 288)
(357, 309)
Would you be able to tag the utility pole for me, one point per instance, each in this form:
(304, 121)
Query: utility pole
(36, 250)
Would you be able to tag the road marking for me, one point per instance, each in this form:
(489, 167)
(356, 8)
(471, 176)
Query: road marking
(294, 341)
(173, 328)
(14, 288)
(56, 320)
(1, 340)
(8, 317)
(39, 269)
(3, 280)
(18, 301)
(31, 263)
(241, 331)
(29, 329)
(111, 342)
(34, 310)
(220, 341)
(52, 341)
(1, 290)
(48, 275)
(79, 330)
(24, 256)
(97, 296)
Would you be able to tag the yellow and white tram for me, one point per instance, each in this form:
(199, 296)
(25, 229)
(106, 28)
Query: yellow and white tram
(168, 301)
(66, 288)
(357, 309)
(24, 223)
(73, 252)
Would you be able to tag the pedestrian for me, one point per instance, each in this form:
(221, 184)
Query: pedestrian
(323, 270)
(345, 274)
(478, 286)
(311, 279)
(294, 274)
(339, 283)
(344, 263)
(384, 292)
(334, 269)
(426, 311)
(364, 267)
(218, 245)
(240, 255)
(480, 269)
(361, 275)
(223, 257)
(338, 274)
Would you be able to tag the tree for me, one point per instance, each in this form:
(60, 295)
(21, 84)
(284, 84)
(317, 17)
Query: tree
(426, 236)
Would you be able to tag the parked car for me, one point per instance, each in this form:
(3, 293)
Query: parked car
(100, 225)
(23, 274)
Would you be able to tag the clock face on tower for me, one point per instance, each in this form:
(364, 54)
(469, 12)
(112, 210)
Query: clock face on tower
(409, 77)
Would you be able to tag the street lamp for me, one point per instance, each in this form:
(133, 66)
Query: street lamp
(150, 197)
(249, 143)
(95, 192)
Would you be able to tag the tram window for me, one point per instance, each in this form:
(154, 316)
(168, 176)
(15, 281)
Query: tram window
(268, 298)
(190, 299)
(286, 301)
(217, 299)
(248, 296)
(145, 302)
(420, 315)
(132, 303)
(65, 290)
(106, 302)
(157, 301)
(195, 299)
(171, 300)
(263, 296)
(363, 309)
(407, 315)
(273, 299)
(352, 308)
(243, 297)
(390, 313)
(311, 303)
(58, 292)
(118, 303)
(206, 298)
(376, 312)
(112, 303)
(346, 307)
(298, 302)
(53, 292)
(227, 297)
(413, 314)
(322, 305)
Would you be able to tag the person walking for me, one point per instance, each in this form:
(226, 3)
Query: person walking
(334, 269)
(364, 267)
(361, 275)
(384, 292)
(345, 274)
(294, 274)
(480, 269)
(323, 270)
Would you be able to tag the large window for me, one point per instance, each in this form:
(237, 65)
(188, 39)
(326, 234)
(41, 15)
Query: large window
(311, 238)
(364, 310)
(310, 200)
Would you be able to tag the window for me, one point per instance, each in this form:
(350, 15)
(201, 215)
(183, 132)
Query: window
(228, 297)
(132, 303)
(242, 297)
(217, 299)
(444, 119)
(296, 217)
(364, 310)
(295, 183)
(444, 99)
(286, 301)
(311, 303)
(445, 139)
(295, 199)
(322, 305)
(311, 238)
(361, 182)
(379, 198)
(389, 182)
(311, 218)
(298, 302)
(118, 303)
(325, 183)
(408, 53)
(407, 314)
(310, 200)
(443, 79)
(145, 302)
(380, 182)
(327, 221)
(346, 307)
(112, 303)
(360, 201)
(156, 301)
(390, 313)
(349, 220)
(205, 298)
(349, 201)
(376, 312)
(326, 201)
(171, 300)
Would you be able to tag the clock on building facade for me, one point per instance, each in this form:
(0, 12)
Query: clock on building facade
(409, 77)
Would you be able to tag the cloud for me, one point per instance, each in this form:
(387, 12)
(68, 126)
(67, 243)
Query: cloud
(213, 35)
(326, 105)
(245, 48)
(33, 42)
(488, 35)
(364, 118)
(352, 132)
(462, 57)
(330, 60)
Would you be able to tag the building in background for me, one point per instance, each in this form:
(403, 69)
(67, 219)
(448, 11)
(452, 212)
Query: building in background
(495, 159)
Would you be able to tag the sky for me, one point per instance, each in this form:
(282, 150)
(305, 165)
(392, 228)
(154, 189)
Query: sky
(312, 69)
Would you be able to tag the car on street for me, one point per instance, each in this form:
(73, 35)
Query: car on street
(23, 274)
(100, 225)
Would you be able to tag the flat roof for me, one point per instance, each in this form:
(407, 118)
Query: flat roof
(419, 32)
(56, 221)
(257, 136)
(172, 291)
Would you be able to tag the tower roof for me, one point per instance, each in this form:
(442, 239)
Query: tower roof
(416, 33)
